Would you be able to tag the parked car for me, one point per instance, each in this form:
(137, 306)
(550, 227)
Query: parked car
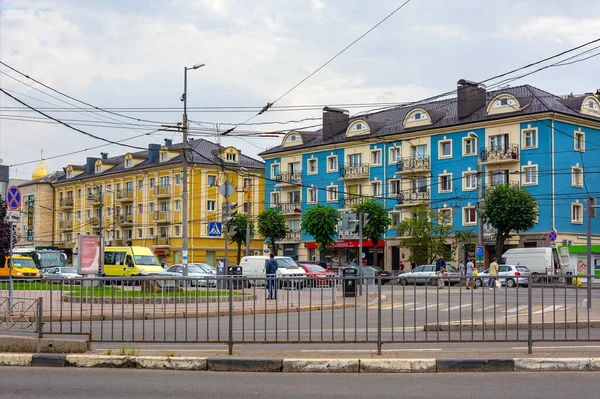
(202, 277)
(312, 262)
(425, 274)
(288, 271)
(61, 273)
(508, 275)
(317, 276)
(374, 271)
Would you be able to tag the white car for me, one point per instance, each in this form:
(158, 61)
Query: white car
(203, 277)
(425, 274)
(508, 275)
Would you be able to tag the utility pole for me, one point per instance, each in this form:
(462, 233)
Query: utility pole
(248, 215)
(360, 249)
(591, 213)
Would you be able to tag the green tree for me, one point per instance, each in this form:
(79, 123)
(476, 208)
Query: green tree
(272, 226)
(240, 221)
(320, 221)
(509, 208)
(378, 222)
(4, 233)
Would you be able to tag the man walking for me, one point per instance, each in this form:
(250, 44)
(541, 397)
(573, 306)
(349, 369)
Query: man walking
(493, 273)
(469, 279)
(271, 271)
(440, 268)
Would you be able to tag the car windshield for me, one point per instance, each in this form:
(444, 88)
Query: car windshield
(286, 263)
(315, 268)
(377, 268)
(195, 269)
(207, 268)
(23, 263)
(451, 268)
(148, 260)
(523, 269)
(68, 270)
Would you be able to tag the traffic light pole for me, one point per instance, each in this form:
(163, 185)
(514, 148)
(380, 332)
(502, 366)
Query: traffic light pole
(591, 213)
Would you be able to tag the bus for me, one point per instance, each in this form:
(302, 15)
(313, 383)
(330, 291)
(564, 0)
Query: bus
(43, 258)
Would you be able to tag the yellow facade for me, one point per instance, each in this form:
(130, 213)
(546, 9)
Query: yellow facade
(142, 206)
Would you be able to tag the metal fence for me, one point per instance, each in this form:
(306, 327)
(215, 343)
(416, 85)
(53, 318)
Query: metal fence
(378, 310)
(21, 314)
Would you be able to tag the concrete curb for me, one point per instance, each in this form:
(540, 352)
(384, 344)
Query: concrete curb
(11, 343)
(302, 365)
(479, 326)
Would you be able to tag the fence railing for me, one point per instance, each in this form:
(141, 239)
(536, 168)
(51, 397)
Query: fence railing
(326, 308)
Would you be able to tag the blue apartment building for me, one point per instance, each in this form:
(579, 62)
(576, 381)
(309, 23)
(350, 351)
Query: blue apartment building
(429, 153)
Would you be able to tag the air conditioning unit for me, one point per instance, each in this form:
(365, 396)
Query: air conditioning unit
(567, 242)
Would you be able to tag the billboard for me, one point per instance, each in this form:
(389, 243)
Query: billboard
(88, 254)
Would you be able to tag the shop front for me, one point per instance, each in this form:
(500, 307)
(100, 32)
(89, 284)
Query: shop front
(346, 253)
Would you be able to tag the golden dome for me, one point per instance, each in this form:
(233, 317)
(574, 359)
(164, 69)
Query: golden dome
(41, 170)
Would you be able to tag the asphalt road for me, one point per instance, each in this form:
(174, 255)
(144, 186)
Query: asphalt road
(65, 383)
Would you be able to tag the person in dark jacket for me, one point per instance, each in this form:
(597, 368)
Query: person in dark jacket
(440, 268)
(271, 271)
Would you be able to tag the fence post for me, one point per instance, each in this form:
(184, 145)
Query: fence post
(529, 316)
(40, 320)
(379, 343)
(230, 315)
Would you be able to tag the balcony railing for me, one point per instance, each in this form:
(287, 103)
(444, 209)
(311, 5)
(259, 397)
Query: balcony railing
(347, 234)
(361, 171)
(510, 153)
(161, 241)
(413, 164)
(94, 199)
(124, 220)
(412, 197)
(293, 236)
(349, 201)
(95, 221)
(288, 208)
(66, 203)
(65, 224)
(289, 177)
(162, 191)
(162, 216)
(509, 183)
(125, 195)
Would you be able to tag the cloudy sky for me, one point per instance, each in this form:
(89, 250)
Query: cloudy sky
(128, 56)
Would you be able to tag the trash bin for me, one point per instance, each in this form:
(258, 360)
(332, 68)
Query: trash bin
(349, 278)
(569, 278)
(235, 274)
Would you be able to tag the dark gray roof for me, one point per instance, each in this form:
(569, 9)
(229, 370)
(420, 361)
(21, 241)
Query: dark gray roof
(201, 152)
(444, 114)
(49, 179)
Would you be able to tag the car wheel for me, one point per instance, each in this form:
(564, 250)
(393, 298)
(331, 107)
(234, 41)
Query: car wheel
(510, 283)
(478, 282)
(433, 281)
(403, 281)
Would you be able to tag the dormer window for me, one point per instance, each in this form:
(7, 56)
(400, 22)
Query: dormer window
(98, 168)
(293, 137)
(503, 103)
(231, 157)
(359, 126)
(69, 174)
(164, 156)
(417, 117)
(128, 163)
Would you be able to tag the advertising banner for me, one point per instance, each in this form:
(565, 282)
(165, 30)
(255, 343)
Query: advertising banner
(88, 252)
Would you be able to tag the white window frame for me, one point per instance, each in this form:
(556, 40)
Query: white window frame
(376, 154)
(337, 164)
(464, 146)
(164, 156)
(535, 180)
(576, 134)
(128, 163)
(392, 183)
(214, 180)
(524, 133)
(376, 188)
(392, 160)
(273, 165)
(576, 170)
(211, 205)
(275, 198)
(449, 175)
(312, 162)
(176, 230)
(441, 146)
(231, 157)
(466, 213)
(140, 209)
(177, 205)
(98, 168)
(465, 179)
(451, 215)
(579, 206)
(332, 193)
(310, 193)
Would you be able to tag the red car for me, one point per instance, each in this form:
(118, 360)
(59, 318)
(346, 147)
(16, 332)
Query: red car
(316, 276)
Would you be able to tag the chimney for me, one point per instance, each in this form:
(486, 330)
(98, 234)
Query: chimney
(335, 120)
(153, 150)
(104, 155)
(168, 143)
(471, 97)
(89, 165)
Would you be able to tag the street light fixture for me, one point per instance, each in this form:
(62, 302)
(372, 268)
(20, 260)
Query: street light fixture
(248, 213)
(474, 135)
(184, 193)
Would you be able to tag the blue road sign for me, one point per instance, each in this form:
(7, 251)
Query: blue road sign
(552, 236)
(215, 229)
(13, 197)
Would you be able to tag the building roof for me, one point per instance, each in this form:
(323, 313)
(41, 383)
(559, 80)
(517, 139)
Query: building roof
(48, 179)
(443, 114)
(201, 151)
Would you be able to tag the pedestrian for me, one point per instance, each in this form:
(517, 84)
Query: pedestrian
(271, 271)
(440, 269)
(461, 269)
(493, 273)
(469, 271)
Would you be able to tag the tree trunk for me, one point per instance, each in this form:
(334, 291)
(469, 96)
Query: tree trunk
(500, 238)
(375, 251)
(239, 252)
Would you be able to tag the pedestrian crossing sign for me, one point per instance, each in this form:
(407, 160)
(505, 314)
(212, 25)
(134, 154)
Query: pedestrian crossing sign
(215, 229)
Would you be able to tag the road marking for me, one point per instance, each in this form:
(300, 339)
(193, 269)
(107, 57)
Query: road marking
(456, 307)
(548, 309)
(429, 306)
(370, 350)
(513, 310)
(533, 309)
(563, 347)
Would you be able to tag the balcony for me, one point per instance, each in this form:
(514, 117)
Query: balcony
(162, 216)
(293, 236)
(124, 220)
(412, 197)
(347, 235)
(162, 242)
(514, 184)
(94, 222)
(491, 155)
(162, 191)
(117, 242)
(125, 195)
(285, 178)
(94, 199)
(413, 165)
(361, 171)
(290, 208)
(65, 225)
(350, 201)
(66, 203)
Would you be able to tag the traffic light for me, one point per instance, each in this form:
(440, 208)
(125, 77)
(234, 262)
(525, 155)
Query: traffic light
(232, 229)
(592, 204)
(229, 211)
(365, 220)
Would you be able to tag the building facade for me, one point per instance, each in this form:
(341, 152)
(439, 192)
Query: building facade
(135, 199)
(429, 153)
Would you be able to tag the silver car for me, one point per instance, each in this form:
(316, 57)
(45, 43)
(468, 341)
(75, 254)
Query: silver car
(61, 273)
(508, 275)
(203, 274)
(425, 274)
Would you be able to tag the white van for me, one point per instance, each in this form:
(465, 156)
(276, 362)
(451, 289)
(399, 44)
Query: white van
(538, 260)
(255, 266)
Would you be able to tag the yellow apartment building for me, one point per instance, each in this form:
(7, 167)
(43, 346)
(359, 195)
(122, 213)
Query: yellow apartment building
(137, 199)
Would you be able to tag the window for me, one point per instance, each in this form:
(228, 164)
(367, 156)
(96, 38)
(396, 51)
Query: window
(89, 213)
(275, 200)
(118, 211)
(275, 170)
(140, 184)
(231, 157)
(69, 174)
(312, 195)
(118, 187)
(396, 218)
(128, 163)
(150, 232)
(417, 115)
(332, 163)
(178, 179)
(164, 206)
(212, 180)
(504, 101)
(469, 216)
(577, 213)
(499, 142)
(60, 216)
(394, 155)
(469, 181)
(499, 177)
(332, 193)
(210, 205)
(531, 174)
(79, 194)
(445, 183)
(164, 181)
(445, 216)
(128, 210)
(152, 182)
(294, 197)
(469, 146)
(354, 160)
(176, 230)
(419, 185)
(445, 149)
(247, 183)
(376, 157)
(395, 187)
(139, 233)
(294, 167)
(129, 186)
(359, 126)
(151, 207)
(78, 215)
(164, 156)
(177, 205)
(108, 211)
(98, 168)
(579, 141)
(418, 151)
(576, 177)
(140, 209)
(376, 188)
(530, 138)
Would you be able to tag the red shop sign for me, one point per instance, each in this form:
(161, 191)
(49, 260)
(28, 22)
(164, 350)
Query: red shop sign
(347, 244)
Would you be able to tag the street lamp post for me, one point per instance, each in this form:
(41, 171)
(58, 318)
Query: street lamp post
(184, 193)
(249, 193)
(98, 190)
(479, 191)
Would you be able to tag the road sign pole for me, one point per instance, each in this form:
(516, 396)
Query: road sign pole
(10, 270)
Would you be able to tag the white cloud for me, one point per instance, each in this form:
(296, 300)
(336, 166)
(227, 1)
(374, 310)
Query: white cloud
(556, 28)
